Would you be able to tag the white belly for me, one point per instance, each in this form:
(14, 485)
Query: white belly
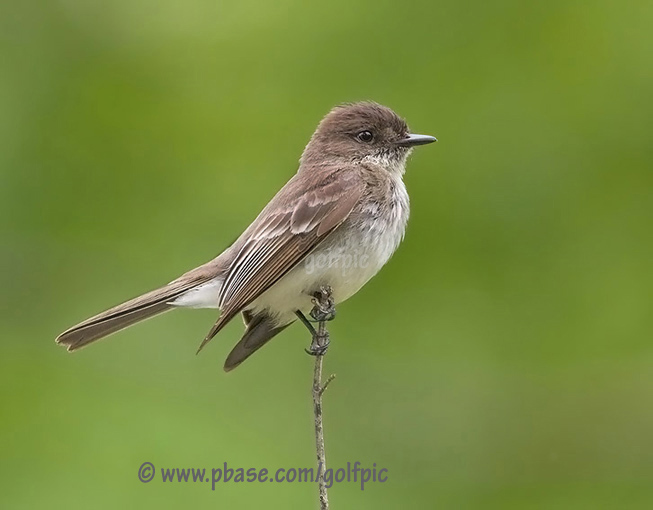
(345, 271)
(345, 261)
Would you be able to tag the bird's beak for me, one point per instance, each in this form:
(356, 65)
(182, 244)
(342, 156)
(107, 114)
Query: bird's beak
(411, 140)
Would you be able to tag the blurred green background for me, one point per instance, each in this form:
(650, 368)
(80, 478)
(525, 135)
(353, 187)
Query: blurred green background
(503, 359)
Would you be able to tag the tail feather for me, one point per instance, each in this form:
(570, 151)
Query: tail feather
(132, 311)
(260, 329)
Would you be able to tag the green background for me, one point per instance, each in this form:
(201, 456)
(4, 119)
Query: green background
(503, 358)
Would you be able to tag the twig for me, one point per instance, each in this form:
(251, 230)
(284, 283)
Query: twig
(323, 311)
(326, 383)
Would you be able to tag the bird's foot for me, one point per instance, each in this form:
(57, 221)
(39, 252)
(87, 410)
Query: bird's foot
(319, 344)
(324, 306)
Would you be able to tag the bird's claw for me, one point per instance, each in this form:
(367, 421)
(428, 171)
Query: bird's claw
(324, 308)
(319, 345)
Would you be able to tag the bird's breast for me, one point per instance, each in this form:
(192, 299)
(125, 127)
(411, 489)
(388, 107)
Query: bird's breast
(348, 258)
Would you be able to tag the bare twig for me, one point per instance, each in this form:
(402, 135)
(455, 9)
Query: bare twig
(326, 383)
(323, 311)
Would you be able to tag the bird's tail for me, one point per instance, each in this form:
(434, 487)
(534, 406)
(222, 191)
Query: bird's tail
(133, 311)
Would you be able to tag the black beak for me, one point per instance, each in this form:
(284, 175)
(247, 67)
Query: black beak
(412, 140)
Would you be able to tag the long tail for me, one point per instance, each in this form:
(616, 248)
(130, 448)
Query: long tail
(133, 311)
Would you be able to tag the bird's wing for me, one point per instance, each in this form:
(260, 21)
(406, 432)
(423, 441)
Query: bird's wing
(297, 219)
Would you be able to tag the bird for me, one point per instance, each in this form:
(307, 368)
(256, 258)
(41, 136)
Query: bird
(335, 223)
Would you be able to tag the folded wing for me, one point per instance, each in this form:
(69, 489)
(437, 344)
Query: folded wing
(300, 217)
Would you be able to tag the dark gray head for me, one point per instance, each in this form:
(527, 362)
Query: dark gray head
(358, 131)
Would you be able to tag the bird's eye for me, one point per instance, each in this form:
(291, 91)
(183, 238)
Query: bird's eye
(365, 136)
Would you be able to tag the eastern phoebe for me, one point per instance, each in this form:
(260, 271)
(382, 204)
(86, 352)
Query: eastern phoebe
(336, 222)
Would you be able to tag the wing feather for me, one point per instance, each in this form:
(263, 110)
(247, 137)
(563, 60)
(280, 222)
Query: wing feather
(301, 216)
